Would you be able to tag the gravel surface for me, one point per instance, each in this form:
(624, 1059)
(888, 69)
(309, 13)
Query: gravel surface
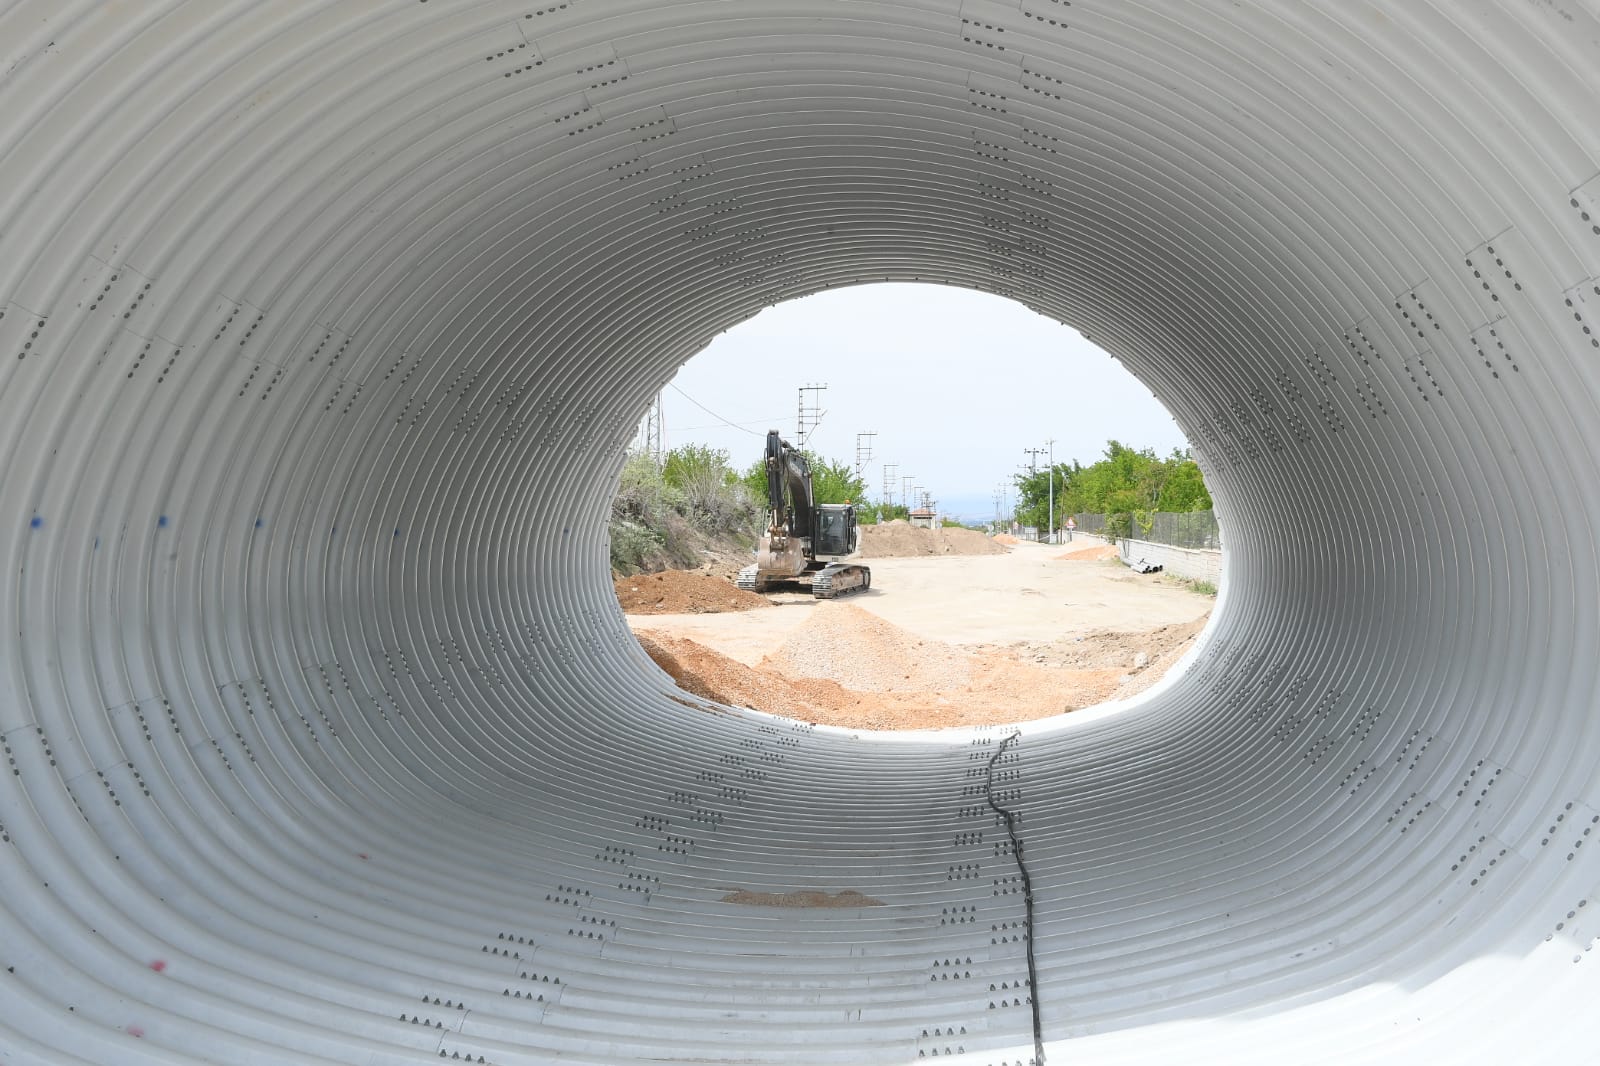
(861, 651)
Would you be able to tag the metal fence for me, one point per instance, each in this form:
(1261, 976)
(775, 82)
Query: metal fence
(1090, 523)
(1191, 529)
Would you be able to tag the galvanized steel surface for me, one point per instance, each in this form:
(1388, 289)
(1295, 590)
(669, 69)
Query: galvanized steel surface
(325, 324)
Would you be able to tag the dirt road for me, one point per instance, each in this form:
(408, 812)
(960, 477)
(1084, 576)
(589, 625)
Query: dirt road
(1027, 596)
(993, 638)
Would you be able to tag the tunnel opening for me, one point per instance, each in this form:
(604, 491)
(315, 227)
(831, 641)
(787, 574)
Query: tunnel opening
(324, 745)
(972, 615)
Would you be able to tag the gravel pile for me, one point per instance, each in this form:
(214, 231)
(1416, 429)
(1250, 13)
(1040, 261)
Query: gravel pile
(898, 539)
(683, 592)
(860, 651)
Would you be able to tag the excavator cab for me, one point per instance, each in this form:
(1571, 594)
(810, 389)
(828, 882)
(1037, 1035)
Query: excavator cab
(834, 532)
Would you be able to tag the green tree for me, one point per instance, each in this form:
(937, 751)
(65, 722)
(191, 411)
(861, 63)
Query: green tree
(702, 487)
(693, 466)
(832, 481)
(882, 512)
(1127, 483)
(1185, 488)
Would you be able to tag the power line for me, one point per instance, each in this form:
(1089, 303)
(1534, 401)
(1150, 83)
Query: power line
(713, 414)
(769, 421)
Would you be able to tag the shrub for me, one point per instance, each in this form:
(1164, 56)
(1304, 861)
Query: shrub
(662, 515)
(632, 546)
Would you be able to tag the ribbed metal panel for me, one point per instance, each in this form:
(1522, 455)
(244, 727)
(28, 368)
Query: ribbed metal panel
(325, 324)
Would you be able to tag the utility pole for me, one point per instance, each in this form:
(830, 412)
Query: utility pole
(1033, 466)
(1051, 537)
(905, 490)
(888, 483)
(652, 431)
(864, 453)
(810, 414)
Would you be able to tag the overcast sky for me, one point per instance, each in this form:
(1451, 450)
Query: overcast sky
(956, 383)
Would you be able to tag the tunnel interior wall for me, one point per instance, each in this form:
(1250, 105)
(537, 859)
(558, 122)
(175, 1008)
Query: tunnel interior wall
(325, 325)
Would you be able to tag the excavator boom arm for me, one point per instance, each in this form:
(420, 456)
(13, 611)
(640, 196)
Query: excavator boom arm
(790, 501)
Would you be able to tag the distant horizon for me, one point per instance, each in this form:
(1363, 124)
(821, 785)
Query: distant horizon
(935, 371)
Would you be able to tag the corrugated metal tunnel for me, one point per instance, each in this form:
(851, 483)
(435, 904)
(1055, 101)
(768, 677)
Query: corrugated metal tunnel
(325, 324)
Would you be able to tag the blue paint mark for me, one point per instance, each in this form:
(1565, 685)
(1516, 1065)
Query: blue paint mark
(162, 521)
(259, 523)
(397, 531)
(332, 531)
(564, 532)
(97, 544)
(37, 522)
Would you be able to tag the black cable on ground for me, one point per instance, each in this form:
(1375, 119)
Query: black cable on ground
(1027, 896)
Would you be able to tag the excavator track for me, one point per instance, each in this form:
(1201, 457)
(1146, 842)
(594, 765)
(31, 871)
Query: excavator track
(837, 579)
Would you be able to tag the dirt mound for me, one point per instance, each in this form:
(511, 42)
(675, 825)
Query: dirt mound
(711, 675)
(1006, 539)
(861, 651)
(993, 688)
(898, 539)
(1099, 551)
(1135, 654)
(683, 592)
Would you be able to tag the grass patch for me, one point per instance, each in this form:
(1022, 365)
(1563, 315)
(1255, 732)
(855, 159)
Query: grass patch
(1204, 588)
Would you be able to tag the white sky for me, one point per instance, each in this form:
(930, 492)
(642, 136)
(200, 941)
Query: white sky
(956, 383)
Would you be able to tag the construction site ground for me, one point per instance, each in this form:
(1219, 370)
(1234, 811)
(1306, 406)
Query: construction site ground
(938, 641)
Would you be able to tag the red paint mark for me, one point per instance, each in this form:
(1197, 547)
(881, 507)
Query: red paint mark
(362, 856)
(159, 965)
(136, 1032)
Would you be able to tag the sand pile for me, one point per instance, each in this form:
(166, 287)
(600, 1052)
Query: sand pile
(683, 592)
(897, 539)
(711, 675)
(1099, 551)
(847, 667)
(860, 651)
(1006, 539)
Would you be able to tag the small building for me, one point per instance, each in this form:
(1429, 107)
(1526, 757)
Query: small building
(924, 518)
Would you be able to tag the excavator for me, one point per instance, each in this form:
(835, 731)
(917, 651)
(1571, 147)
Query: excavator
(806, 542)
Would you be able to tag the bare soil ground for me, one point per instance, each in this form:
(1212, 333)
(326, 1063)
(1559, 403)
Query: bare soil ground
(1098, 551)
(683, 592)
(938, 642)
(899, 539)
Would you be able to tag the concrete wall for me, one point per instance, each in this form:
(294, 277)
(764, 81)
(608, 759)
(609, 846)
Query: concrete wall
(1198, 564)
